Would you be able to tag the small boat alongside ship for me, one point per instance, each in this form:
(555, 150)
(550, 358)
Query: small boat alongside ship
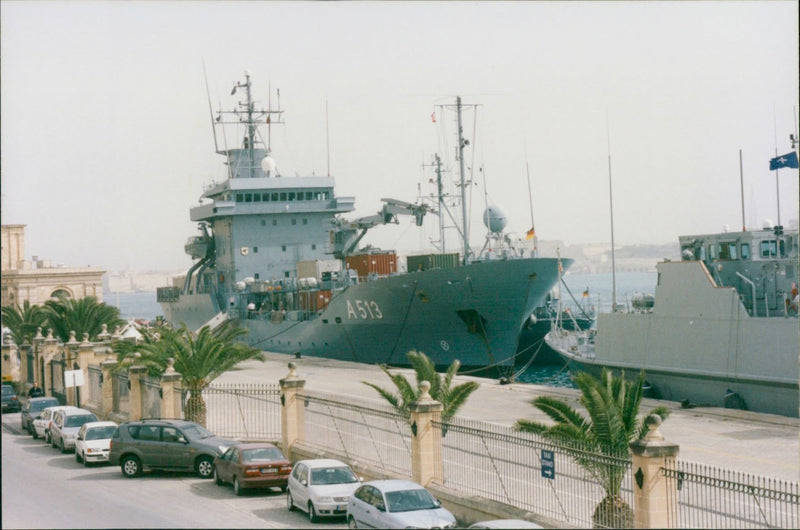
(722, 329)
(275, 256)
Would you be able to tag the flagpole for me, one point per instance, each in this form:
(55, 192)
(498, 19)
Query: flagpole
(741, 187)
(777, 186)
(530, 202)
(611, 207)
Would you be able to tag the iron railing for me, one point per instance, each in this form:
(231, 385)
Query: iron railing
(241, 411)
(368, 433)
(710, 497)
(151, 397)
(93, 384)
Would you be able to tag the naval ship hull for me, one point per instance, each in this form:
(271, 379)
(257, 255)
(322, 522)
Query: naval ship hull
(699, 346)
(472, 313)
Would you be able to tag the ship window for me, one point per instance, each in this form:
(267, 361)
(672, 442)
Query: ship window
(256, 197)
(274, 196)
(712, 251)
(255, 276)
(274, 222)
(294, 222)
(727, 250)
(745, 248)
(313, 246)
(283, 248)
(702, 253)
(248, 197)
(283, 196)
(286, 274)
(769, 249)
(263, 222)
(309, 195)
(305, 221)
(239, 197)
(255, 250)
(291, 195)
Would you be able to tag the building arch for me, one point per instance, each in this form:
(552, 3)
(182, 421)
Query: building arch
(62, 292)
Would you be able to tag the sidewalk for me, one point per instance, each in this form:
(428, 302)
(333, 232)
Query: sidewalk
(749, 442)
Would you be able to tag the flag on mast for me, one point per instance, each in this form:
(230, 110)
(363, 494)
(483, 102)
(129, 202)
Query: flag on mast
(530, 234)
(433, 116)
(787, 160)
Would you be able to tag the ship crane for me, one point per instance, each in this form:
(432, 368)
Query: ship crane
(345, 235)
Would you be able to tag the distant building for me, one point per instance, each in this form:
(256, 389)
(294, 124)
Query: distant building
(37, 280)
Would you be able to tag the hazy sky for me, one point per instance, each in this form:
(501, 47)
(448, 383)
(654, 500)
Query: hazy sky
(106, 137)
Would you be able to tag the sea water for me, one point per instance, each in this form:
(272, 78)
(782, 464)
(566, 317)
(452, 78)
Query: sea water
(591, 290)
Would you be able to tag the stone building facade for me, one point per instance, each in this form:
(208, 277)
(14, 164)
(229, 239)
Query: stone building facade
(36, 281)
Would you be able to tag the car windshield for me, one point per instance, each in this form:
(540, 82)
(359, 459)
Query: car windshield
(8, 391)
(333, 475)
(410, 500)
(262, 454)
(77, 421)
(195, 432)
(37, 406)
(100, 433)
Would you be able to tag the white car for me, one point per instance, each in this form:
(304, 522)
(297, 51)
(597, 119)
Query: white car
(41, 425)
(65, 426)
(94, 442)
(321, 487)
(396, 504)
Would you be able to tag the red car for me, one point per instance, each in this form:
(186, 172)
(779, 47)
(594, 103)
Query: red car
(252, 465)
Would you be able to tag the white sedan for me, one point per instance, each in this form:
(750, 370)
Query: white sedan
(321, 487)
(396, 504)
(94, 442)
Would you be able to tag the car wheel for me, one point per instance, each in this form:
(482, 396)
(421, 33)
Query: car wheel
(283, 489)
(53, 443)
(237, 489)
(131, 466)
(61, 444)
(204, 467)
(47, 437)
(33, 434)
(351, 523)
(290, 502)
(78, 456)
(217, 480)
(312, 513)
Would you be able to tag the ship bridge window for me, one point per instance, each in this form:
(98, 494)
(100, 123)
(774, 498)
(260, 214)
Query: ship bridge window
(712, 251)
(727, 250)
(769, 248)
(256, 197)
(294, 222)
(292, 196)
(274, 197)
(274, 222)
(248, 197)
(309, 196)
(283, 196)
(239, 197)
(745, 248)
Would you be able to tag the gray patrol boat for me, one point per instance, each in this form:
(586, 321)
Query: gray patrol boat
(274, 255)
(722, 329)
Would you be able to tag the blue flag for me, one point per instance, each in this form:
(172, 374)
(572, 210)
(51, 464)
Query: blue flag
(787, 160)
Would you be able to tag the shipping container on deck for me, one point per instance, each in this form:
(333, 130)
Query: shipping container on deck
(375, 263)
(426, 262)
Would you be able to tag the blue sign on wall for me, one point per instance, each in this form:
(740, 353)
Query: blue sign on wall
(548, 464)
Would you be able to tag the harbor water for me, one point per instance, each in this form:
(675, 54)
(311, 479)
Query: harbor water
(597, 287)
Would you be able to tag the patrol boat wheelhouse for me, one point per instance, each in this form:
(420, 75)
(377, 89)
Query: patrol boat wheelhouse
(275, 255)
(722, 331)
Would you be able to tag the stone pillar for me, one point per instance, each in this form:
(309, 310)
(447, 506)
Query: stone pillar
(9, 352)
(171, 393)
(50, 351)
(135, 374)
(292, 410)
(84, 357)
(655, 496)
(38, 346)
(426, 440)
(24, 350)
(107, 386)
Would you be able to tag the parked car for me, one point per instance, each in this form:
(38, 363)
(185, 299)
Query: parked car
(396, 504)
(166, 444)
(10, 400)
(321, 487)
(252, 465)
(32, 409)
(65, 426)
(94, 439)
(505, 523)
(41, 425)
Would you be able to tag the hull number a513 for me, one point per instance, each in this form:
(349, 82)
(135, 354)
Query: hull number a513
(363, 310)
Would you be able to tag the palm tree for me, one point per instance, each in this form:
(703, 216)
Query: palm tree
(451, 397)
(23, 321)
(199, 358)
(82, 315)
(613, 407)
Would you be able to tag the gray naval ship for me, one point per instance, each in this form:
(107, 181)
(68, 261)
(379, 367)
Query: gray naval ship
(722, 329)
(274, 255)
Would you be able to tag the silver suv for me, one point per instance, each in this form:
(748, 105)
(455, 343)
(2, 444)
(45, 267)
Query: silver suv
(166, 444)
(65, 426)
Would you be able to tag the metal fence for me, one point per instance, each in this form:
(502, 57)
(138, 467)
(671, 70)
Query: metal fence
(521, 469)
(93, 385)
(121, 397)
(57, 388)
(716, 498)
(370, 434)
(245, 412)
(151, 397)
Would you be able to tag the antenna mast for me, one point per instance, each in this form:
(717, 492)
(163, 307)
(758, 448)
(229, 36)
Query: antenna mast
(530, 202)
(461, 144)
